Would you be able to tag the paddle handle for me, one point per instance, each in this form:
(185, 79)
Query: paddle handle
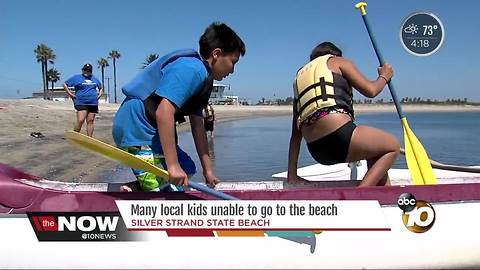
(211, 191)
(163, 173)
(361, 6)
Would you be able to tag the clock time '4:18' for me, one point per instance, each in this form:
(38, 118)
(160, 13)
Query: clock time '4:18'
(420, 43)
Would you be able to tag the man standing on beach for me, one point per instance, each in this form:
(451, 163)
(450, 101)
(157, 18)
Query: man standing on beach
(88, 90)
(176, 85)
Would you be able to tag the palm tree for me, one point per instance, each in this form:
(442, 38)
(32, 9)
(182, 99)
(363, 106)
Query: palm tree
(102, 64)
(53, 76)
(150, 58)
(114, 55)
(44, 55)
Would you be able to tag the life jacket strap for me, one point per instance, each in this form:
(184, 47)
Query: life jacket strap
(322, 83)
(314, 100)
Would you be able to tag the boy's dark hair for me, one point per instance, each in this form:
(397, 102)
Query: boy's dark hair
(325, 48)
(219, 35)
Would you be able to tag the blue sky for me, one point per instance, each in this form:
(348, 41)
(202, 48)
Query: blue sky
(279, 36)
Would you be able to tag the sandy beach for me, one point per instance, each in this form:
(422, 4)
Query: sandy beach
(52, 157)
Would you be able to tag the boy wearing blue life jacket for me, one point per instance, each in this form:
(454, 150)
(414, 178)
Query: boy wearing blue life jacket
(176, 85)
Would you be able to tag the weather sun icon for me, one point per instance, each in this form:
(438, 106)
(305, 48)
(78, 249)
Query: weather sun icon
(411, 29)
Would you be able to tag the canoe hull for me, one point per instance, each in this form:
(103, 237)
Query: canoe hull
(453, 241)
(22, 193)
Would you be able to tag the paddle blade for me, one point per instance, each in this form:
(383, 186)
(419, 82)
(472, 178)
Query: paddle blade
(418, 161)
(132, 161)
(113, 153)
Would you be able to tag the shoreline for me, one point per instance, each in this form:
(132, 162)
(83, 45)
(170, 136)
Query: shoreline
(53, 158)
(226, 113)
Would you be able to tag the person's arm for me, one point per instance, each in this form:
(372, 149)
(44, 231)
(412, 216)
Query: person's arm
(100, 92)
(201, 143)
(69, 93)
(166, 130)
(360, 82)
(178, 83)
(294, 150)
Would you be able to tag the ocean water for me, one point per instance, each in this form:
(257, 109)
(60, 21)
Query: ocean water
(254, 149)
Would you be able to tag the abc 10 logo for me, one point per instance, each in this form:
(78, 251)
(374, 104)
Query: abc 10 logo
(418, 216)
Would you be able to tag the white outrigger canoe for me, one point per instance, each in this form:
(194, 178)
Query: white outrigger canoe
(452, 242)
(446, 174)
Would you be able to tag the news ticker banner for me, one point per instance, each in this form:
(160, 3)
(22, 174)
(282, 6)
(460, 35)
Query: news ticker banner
(210, 218)
(251, 218)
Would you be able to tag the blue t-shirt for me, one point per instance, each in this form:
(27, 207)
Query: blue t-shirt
(85, 89)
(181, 79)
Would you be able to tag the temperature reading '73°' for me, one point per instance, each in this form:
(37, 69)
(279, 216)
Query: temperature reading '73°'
(428, 29)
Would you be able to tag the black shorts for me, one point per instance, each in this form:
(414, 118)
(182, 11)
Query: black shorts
(333, 148)
(208, 125)
(88, 108)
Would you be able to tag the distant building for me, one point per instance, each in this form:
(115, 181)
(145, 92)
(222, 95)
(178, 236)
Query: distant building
(221, 96)
(59, 94)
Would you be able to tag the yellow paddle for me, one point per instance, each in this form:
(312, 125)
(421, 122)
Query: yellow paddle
(132, 161)
(417, 159)
(99, 147)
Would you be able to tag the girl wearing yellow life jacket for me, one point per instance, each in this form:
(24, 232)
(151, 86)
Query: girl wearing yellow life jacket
(323, 115)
